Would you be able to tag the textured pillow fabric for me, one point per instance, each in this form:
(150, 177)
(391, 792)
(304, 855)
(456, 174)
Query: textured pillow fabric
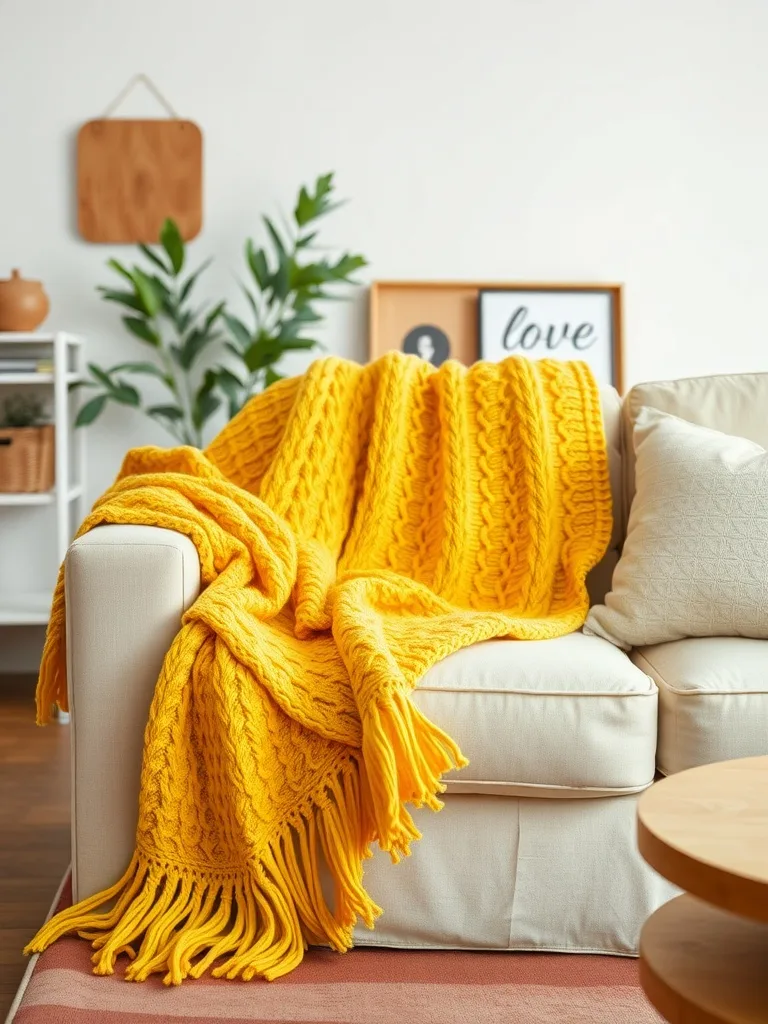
(695, 561)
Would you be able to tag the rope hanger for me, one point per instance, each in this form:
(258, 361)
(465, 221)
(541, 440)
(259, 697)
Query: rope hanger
(146, 81)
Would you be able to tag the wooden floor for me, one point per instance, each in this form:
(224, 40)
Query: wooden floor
(34, 824)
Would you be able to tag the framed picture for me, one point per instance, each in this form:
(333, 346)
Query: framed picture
(554, 322)
(436, 320)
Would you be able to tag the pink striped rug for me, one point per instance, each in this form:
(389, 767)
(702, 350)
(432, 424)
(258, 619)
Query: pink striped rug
(365, 986)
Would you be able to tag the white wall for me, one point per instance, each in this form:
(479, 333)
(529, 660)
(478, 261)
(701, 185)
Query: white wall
(534, 139)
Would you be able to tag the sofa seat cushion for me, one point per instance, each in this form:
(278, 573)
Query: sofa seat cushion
(569, 717)
(713, 699)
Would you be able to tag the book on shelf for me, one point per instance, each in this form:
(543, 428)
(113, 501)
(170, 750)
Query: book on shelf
(23, 364)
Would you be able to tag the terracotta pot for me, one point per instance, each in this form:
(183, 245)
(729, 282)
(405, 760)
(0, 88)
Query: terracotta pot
(23, 304)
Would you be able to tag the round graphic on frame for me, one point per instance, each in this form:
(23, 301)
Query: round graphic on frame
(429, 342)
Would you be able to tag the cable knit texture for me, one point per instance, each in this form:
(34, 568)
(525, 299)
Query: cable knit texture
(355, 525)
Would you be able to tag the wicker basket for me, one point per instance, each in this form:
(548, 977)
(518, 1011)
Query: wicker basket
(26, 459)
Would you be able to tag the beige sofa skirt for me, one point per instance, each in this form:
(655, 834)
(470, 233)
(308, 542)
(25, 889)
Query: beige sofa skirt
(498, 872)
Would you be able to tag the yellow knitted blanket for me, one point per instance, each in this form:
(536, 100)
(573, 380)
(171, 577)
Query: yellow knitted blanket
(355, 525)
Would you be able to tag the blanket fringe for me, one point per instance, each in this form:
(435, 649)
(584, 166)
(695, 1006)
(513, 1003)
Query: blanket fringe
(52, 684)
(406, 756)
(180, 921)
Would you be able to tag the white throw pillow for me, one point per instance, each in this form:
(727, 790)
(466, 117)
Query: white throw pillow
(695, 561)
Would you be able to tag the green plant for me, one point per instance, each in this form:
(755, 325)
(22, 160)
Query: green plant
(160, 314)
(22, 411)
(288, 284)
(289, 281)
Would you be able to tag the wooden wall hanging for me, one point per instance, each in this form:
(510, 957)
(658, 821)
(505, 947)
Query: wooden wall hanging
(132, 174)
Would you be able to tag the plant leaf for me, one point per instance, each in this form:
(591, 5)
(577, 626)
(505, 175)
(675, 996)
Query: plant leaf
(125, 393)
(155, 258)
(168, 300)
(205, 403)
(205, 407)
(280, 282)
(311, 275)
(300, 345)
(306, 315)
(251, 302)
(307, 240)
(311, 206)
(214, 315)
(233, 349)
(262, 353)
(306, 208)
(146, 292)
(321, 295)
(183, 320)
(257, 261)
(289, 329)
(172, 242)
(268, 349)
(142, 330)
(150, 369)
(324, 185)
(167, 412)
(271, 377)
(88, 413)
(347, 265)
(102, 376)
(302, 300)
(195, 342)
(120, 269)
(225, 374)
(239, 332)
(189, 284)
(122, 298)
(233, 389)
(276, 239)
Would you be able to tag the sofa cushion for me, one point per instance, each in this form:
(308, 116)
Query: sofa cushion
(694, 560)
(565, 717)
(732, 403)
(713, 699)
(599, 579)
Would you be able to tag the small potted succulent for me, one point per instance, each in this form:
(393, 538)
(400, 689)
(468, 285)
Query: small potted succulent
(26, 446)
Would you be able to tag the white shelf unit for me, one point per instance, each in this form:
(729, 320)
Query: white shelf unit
(66, 352)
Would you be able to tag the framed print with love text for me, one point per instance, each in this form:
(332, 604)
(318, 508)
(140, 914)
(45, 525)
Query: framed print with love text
(552, 321)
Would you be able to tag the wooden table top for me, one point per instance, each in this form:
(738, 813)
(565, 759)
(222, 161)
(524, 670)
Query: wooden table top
(706, 830)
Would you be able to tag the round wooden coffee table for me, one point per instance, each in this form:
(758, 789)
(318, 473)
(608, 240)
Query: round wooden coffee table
(704, 956)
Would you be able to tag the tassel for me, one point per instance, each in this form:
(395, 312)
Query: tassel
(405, 756)
(180, 922)
(52, 680)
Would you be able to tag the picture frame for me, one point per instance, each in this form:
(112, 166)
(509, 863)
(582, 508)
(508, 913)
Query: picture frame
(554, 321)
(434, 319)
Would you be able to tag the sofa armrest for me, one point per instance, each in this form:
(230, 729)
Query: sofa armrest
(127, 588)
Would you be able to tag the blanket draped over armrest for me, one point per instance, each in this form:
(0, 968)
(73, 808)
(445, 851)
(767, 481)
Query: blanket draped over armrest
(354, 525)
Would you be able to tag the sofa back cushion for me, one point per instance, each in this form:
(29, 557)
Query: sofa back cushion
(599, 580)
(733, 404)
(693, 562)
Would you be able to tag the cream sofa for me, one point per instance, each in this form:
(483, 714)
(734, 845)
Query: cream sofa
(535, 848)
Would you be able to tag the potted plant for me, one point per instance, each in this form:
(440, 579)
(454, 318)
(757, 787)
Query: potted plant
(289, 280)
(26, 446)
(160, 313)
